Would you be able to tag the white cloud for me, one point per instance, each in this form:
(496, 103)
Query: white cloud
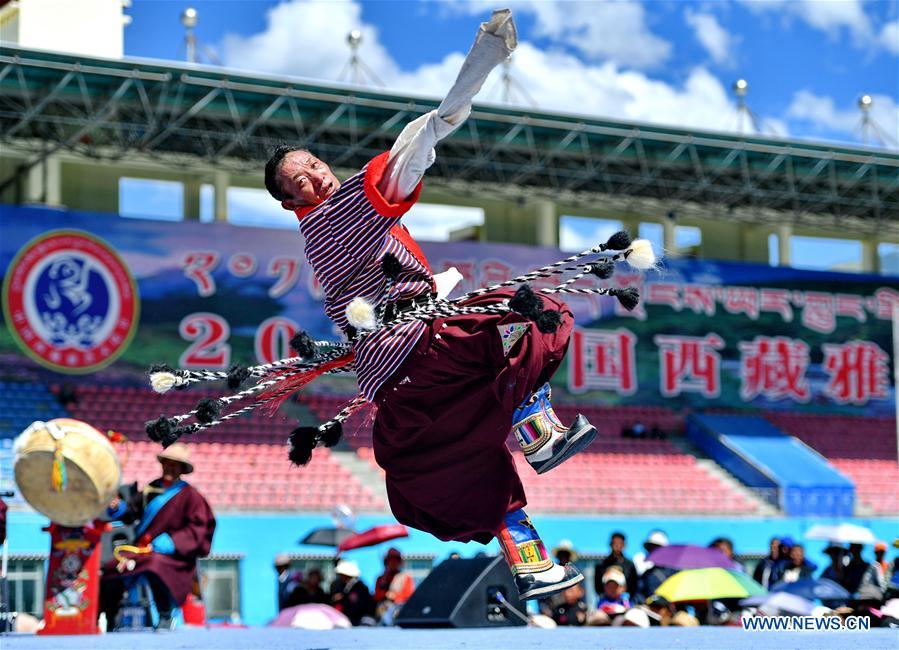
(889, 37)
(822, 114)
(613, 30)
(716, 40)
(829, 16)
(308, 39)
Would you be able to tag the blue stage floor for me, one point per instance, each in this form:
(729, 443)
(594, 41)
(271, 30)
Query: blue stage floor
(708, 638)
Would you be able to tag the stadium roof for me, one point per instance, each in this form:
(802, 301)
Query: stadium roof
(186, 114)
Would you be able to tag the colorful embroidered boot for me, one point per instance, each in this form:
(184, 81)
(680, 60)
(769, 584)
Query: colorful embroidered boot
(546, 443)
(536, 575)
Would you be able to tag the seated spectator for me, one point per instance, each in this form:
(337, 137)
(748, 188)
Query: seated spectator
(613, 598)
(661, 610)
(861, 573)
(393, 587)
(616, 558)
(290, 592)
(175, 524)
(312, 585)
(650, 576)
(565, 553)
(797, 567)
(350, 595)
(724, 545)
(880, 551)
(634, 617)
(567, 607)
(767, 571)
(67, 397)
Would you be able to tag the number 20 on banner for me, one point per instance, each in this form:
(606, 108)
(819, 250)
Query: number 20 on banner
(208, 334)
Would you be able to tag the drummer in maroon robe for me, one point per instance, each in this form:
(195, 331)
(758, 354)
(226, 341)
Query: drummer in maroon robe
(176, 523)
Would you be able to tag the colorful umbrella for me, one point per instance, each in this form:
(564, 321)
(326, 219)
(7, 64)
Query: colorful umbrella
(780, 602)
(842, 534)
(311, 617)
(688, 556)
(811, 588)
(708, 584)
(326, 536)
(373, 536)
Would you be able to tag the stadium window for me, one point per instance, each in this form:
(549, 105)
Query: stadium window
(148, 198)
(437, 222)
(207, 203)
(654, 233)
(580, 233)
(249, 206)
(25, 578)
(889, 258)
(773, 250)
(220, 587)
(824, 254)
(688, 239)
(324, 563)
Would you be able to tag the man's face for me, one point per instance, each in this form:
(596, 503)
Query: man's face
(797, 555)
(617, 545)
(171, 469)
(612, 589)
(305, 180)
(775, 547)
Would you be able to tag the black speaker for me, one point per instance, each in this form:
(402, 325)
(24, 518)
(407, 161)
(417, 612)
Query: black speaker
(464, 593)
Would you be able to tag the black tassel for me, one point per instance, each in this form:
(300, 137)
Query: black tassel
(236, 376)
(302, 442)
(548, 321)
(174, 436)
(628, 297)
(160, 367)
(159, 429)
(209, 409)
(526, 302)
(303, 345)
(617, 242)
(603, 269)
(391, 266)
(331, 433)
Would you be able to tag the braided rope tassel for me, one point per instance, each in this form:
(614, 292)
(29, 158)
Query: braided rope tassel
(163, 378)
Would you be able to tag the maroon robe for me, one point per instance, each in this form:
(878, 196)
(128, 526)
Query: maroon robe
(189, 521)
(443, 419)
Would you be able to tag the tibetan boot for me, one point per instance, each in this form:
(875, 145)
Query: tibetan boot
(536, 575)
(546, 443)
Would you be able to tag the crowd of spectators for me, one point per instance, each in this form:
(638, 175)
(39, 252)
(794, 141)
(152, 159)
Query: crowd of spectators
(626, 587)
(347, 593)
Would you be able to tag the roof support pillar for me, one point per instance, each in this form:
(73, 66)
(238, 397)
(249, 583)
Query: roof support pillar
(784, 233)
(547, 222)
(870, 256)
(669, 236)
(221, 180)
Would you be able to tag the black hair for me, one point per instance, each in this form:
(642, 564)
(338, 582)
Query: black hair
(273, 166)
(618, 533)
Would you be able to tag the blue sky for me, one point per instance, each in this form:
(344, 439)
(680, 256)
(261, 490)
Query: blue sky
(807, 61)
(665, 61)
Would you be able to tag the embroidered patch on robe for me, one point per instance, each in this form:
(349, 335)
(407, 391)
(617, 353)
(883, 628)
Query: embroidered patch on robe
(509, 335)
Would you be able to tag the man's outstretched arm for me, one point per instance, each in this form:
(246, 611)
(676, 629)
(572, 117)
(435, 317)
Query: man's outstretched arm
(413, 151)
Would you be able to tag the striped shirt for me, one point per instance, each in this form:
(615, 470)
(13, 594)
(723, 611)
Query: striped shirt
(346, 237)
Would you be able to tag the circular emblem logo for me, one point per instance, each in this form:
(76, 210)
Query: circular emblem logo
(70, 302)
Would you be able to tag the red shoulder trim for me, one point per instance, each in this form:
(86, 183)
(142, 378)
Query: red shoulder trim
(302, 212)
(402, 235)
(373, 175)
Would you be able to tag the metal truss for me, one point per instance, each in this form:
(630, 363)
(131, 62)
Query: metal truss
(185, 115)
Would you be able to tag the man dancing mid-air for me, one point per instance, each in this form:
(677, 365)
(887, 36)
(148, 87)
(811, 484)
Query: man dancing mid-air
(448, 379)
